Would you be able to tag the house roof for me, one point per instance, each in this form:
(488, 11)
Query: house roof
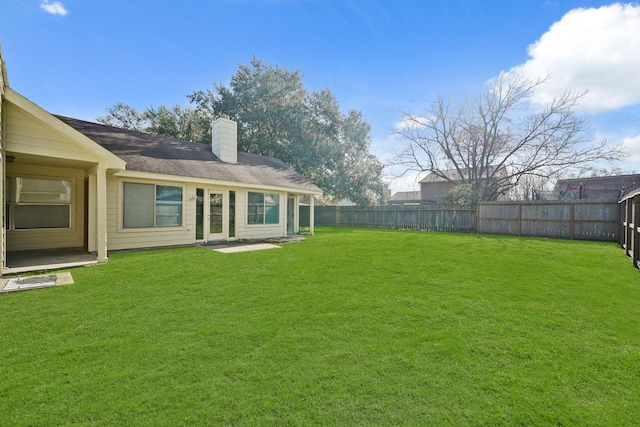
(452, 175)
(405, 196)
(599, 188)
(149, 153)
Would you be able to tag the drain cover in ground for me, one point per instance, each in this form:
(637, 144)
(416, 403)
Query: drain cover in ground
(30, 282)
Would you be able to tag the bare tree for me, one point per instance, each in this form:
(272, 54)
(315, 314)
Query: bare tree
(532, 188)
(494, 140)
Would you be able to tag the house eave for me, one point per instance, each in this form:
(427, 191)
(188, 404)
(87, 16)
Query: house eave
(111, 160)
(215, 182)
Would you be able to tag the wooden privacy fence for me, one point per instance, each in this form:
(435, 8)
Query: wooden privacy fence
(630, 239)
(400, 217)
(574, 220)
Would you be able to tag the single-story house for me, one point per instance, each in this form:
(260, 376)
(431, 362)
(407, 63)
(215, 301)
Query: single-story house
(68, 183)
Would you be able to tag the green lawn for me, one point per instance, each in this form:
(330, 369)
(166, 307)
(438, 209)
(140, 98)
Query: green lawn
(351, 327)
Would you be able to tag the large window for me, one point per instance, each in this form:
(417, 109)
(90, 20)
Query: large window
(263, 208)
(38, 203)
(149, 205)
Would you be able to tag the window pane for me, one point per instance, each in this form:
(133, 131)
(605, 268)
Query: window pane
(168, 215)
(215, 213)
(232, 214)
(199, 214)
(256, 208)
(138, 201)
(168, 206)
(166, 193)
(43, 191)
(41, 216)
(272, 209)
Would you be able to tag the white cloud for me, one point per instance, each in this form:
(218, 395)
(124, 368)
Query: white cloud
(412, 122)
(632, 146)
(597, 50)
(54, 8)
(407, 182)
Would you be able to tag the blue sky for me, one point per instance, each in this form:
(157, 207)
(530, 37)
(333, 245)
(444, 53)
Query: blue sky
(78, 57)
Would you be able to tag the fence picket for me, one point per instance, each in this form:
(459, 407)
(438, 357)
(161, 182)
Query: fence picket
(559, 219)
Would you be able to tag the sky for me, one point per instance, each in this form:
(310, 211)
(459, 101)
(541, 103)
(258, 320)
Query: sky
(381, 57)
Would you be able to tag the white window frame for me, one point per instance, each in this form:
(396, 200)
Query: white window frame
(155, 205)
(263, 210)
(13, 202)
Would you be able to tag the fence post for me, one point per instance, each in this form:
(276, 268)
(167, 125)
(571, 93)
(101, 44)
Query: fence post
(519, 219)
(635, 248)
(572, 218)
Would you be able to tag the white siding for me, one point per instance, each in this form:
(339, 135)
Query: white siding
(121, 238)
(3, 246)
(246, 231)
(19, 240)
(224, 141)
(26, 135)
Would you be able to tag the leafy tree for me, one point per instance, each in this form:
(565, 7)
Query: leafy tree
(277, 117)
(125, 117)
(493, 141)
(461, 196)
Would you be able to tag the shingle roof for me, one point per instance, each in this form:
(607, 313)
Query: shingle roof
(403, 196)
(599, 188)
(164, 155)
(452, 175)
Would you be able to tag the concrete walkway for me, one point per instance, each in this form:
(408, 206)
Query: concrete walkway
(244, 248)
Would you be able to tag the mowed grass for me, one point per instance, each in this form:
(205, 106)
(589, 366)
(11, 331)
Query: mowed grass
(350, 327)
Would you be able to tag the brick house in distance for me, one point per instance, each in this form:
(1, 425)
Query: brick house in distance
(433, 187)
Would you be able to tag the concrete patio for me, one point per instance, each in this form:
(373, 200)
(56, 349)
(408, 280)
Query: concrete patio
(50, 259)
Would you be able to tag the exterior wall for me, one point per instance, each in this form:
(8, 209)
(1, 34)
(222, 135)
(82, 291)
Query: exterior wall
(26, 135)
(29, 139)
(3, 241)
(246, 231)
(431, 191)
(19, 240)
(119, 238)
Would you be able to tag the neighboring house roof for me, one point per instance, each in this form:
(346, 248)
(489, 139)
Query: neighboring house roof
(600, 188)
(345, 202)
(405, 196)
(452, 175)
(144, 152)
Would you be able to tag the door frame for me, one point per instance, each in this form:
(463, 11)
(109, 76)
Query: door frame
(207, 236)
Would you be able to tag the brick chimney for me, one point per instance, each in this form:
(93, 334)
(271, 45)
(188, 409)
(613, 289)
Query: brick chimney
(224, 139)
